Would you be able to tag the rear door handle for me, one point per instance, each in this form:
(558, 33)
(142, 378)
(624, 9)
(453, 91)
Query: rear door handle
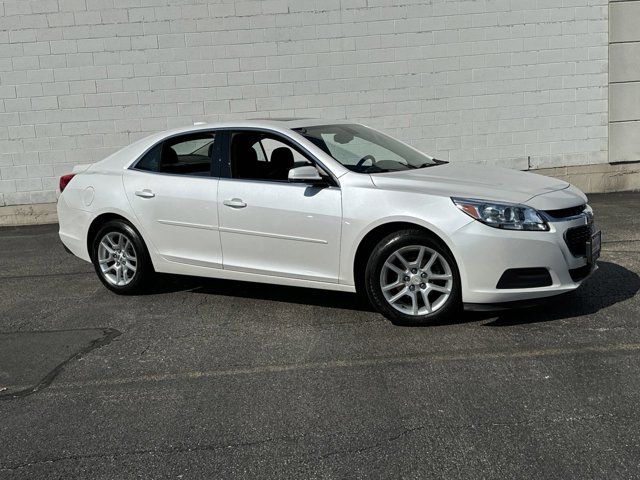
(146, 193)
(235, 203)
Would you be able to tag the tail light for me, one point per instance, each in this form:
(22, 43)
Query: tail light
(64, 181)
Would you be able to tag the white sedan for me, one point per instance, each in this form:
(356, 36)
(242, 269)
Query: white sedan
(330, 205)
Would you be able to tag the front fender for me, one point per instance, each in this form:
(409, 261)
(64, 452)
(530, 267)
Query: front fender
(440, 217)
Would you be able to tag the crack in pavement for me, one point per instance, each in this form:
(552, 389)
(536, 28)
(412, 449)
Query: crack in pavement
(287, 439)
(351, 451)
(181, 449)
(465, 426)
(18, 391)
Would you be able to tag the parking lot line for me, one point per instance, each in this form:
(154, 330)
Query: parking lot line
(351, 363)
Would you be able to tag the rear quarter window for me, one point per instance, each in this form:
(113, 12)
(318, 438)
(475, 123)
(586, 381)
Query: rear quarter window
(150, 161)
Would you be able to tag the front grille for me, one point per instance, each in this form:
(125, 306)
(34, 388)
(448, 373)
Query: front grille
(577, 238)
(566, 212)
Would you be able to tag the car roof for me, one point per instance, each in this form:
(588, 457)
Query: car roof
(298, 122)
(278, 124)
(268, 123)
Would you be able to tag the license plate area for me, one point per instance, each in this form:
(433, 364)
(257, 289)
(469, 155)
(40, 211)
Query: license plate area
(594, 245)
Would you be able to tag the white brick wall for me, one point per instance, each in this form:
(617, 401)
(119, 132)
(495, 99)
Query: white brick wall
(624, 81)
(484, 81)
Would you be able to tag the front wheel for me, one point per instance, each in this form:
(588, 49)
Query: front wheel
(412, 278)
(120, 258)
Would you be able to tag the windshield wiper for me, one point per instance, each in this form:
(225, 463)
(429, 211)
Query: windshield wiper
(434, 162)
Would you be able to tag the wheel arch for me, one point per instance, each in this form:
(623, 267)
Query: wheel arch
(371, 238)
(105, 217)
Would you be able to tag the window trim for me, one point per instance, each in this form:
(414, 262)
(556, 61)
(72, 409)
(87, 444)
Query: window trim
(225, 155)
(214, 171)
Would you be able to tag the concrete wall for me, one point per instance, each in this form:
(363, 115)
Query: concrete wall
(486, 81)
(624, 81)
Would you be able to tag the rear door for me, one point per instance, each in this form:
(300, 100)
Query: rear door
(173, 193)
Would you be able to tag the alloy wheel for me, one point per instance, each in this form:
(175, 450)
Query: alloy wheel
(117, 258)
(416, 280)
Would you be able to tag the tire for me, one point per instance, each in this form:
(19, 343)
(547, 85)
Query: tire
(393, 263)
(130, 258)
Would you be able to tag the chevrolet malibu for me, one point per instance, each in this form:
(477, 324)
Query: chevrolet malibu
(328, 205)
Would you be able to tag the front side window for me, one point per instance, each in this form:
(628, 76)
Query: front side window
(189, 154)
(262, 156)
(364, 150)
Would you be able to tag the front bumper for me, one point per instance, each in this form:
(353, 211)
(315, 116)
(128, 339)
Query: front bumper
(516, 304)
(484, 253)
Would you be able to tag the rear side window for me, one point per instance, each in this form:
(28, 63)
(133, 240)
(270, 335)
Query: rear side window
(189, 154)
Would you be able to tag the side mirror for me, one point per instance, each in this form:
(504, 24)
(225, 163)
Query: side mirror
(305, 174)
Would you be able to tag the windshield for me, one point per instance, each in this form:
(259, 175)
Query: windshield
(364, 150)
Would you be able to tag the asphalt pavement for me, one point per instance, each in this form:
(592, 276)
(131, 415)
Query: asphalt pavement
(217, 379)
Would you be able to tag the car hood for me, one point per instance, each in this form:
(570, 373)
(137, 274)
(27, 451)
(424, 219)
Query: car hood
(486, 183)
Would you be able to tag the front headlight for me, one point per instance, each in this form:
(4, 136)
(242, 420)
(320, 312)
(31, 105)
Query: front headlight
(502, 215)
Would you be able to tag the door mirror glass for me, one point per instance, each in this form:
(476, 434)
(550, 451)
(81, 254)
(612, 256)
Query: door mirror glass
(305, 174)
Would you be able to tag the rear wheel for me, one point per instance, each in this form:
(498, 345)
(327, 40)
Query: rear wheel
(412, 278)
(120, 258)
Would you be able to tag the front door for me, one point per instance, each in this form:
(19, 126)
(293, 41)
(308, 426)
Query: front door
(174, 196)
(270, 226)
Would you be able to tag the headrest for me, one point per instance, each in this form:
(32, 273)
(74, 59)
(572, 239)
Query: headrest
(250, 156)
(169, 156)
(245, 163)
(282, 157)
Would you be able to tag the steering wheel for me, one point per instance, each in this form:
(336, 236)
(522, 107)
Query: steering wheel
(364, 159)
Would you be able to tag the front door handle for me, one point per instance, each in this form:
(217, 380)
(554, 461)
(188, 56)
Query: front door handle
(146, 193)
(235, 203)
